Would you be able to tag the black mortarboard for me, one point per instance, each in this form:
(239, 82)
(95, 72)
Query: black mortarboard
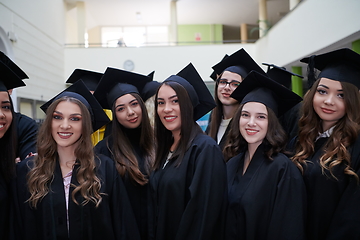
(199, 94)
(12, 66)
(213, 75)
(151, 75)
(280, 74)
(149, 90)
(341, 65)
(116, 83)
(259, 88)
(91, 79)
(79, 91)
(239, 62)
(9, 79)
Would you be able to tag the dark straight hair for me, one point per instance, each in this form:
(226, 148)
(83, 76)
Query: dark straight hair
(189, 128)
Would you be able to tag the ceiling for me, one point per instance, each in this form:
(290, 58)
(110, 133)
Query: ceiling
(157, 12)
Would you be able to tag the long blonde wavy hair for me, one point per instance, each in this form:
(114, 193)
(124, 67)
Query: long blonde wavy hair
(42, 174)
(343, 136)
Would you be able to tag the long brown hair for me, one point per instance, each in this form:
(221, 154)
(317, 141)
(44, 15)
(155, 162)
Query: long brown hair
(189, 128)
(275, 139)
(343, 136)
(123, 152)
(42, 173)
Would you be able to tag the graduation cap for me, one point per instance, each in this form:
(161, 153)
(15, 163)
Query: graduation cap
(280, 74)
(259, 88)
(213, 75)
(149, 90)
(239, 62)
(199, 94)
(91, 79)
(116, 83)
(79, 91)
(341, 65)
(6, 61)
(151, 75)
(9, 79)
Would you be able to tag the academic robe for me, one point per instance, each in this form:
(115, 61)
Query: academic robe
(27, 130)
(290, 121)
(268, 201)
(138, 195)
(333, 205)
(112, 219)
(189, 200)
(4, 208)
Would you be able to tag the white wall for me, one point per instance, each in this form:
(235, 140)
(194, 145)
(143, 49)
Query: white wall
(39, 27)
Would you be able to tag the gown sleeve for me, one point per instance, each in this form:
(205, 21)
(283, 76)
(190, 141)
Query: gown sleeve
(26, 133)
(204, 213)
(289, 209)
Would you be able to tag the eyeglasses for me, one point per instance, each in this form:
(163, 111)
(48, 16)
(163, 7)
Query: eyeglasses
(232, 84)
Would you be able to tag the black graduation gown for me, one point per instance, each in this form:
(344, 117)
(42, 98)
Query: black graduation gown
(110, 220)
(333, 205)
(27, 130)
(138, 195)
(290, 121)
(268, 201)
(189, 200)
(4, 208)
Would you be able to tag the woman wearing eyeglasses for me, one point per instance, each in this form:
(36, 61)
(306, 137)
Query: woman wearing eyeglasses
(231, 70)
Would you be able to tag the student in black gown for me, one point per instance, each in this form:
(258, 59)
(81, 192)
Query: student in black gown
(8, 145)
(131, 142)
(231, 71)
(266, 191)
(26, 127)
(66, 191)
(327, 150)
(188, 186)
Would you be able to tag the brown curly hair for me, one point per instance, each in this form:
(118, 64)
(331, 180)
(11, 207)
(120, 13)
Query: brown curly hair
(343, 136)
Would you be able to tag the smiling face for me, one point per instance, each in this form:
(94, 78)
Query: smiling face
(253, 123)
(168, 109)
(128, 111)
(328, 102)
(5, 113)
(66, 124)
(225, 90)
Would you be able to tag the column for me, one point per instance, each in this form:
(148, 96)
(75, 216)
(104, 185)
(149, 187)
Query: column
(263, 19)
(243, 33)
(356, 46)
(81, 22)
(173, 23)
(296, 82)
